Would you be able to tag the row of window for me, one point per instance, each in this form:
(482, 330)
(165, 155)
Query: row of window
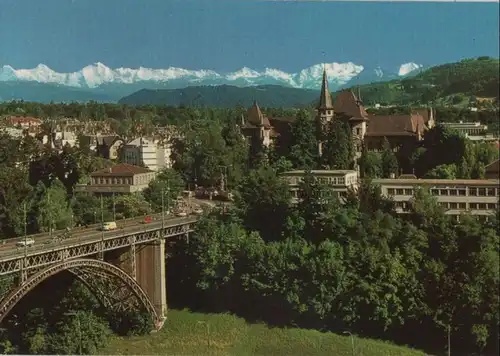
(473, 192)
(455, 206)
(112, 180)
(349, 180)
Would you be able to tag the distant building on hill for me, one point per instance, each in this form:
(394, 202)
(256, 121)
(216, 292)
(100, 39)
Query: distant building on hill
(368, 130)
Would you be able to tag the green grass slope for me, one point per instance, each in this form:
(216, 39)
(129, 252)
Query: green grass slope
(187, 333)
(224, 96)
(449, 84)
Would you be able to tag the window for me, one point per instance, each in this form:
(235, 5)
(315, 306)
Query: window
(408, 191)
(434, 191)
(341, 181)
(454, 206)
(444, 204)
(391, 191)
(444, 192)
(400, 191)
(358, 131)
(490, 192)
(473, 192)
(453, 192)
(462, 206)
(482, 192)
(473, 206)
(482, 206)
(462, 192)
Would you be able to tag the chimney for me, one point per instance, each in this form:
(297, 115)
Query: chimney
(392, 176)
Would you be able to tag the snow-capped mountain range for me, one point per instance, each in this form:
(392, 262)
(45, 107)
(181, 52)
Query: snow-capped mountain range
(98, 75)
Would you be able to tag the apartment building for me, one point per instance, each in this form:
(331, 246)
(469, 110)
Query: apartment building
(477, 197)
(340, 180)
(150, 153)
(457, 196)
(122, 178)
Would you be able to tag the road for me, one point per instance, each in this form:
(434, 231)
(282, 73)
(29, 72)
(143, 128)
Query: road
(8, 248)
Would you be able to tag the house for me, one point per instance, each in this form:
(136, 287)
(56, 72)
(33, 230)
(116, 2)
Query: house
(152, 153)
(108, 146)
(23, 122)
(256, 127)
(492, 170)
(368, 130)
(119, 179)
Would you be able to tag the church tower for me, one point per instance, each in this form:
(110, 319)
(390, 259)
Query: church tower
(324, 110)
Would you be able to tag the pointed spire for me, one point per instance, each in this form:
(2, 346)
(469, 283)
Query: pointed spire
(325, 99)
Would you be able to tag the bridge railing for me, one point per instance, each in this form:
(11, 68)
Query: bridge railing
(75, 229)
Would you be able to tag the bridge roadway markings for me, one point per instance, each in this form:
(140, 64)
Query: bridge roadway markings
(11, 251)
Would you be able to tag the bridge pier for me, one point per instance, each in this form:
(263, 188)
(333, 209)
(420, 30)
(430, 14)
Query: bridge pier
(151, 274)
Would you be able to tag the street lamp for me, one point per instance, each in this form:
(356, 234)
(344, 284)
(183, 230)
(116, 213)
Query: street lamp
(352, 340)
(77, 316)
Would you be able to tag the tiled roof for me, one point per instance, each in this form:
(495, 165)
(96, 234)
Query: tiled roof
(348, 104)
(394, 125)
(122, 169)
(256, 118)
(19, 120)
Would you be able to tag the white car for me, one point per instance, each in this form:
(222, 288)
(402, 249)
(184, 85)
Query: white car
(198, 211)
(181, 214)
(25, 242)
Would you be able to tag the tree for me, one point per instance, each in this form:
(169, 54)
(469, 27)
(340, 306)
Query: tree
(167, 182)
(443, 171)
(389, 161)
(51, 208)
(338, 152)
(370, 164)
(263, 199)
(304, 147)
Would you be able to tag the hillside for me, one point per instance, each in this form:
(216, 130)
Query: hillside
(45, 93)
(187, 333)
(224, 96)
(449, 84)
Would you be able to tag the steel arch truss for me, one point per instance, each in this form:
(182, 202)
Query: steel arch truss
(114, 288)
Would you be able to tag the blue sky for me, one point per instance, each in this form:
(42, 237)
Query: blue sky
(225, 35)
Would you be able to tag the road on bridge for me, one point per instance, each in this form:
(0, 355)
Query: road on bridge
(45, 241)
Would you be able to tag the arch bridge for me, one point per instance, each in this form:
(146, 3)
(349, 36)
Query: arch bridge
(124, 268)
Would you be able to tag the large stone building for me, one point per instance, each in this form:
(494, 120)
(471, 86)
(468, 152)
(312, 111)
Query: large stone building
(119, 179)
(367, 129)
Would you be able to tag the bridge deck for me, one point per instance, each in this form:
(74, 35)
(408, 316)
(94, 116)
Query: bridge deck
(85, 242)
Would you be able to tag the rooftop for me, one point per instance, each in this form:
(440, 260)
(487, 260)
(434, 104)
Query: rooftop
(122, 169)
(321, 172)
(448, 182)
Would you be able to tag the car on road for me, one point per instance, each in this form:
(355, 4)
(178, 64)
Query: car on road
(25, 242)
(181, 213)
(110, 225)
(198, 211)
(147, 220)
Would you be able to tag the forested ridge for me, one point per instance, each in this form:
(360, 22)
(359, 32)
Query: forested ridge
(356, 267)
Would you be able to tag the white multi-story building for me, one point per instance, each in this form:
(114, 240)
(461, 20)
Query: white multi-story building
(147, 152)
(457, 196)
(339, 180)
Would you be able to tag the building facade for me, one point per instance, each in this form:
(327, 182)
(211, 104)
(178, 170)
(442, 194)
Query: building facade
(475, 197)
(457, 196)
(119, 179)
(147, 152)
(340, 181)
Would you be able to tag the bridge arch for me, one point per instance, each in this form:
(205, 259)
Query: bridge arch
(112, 286)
